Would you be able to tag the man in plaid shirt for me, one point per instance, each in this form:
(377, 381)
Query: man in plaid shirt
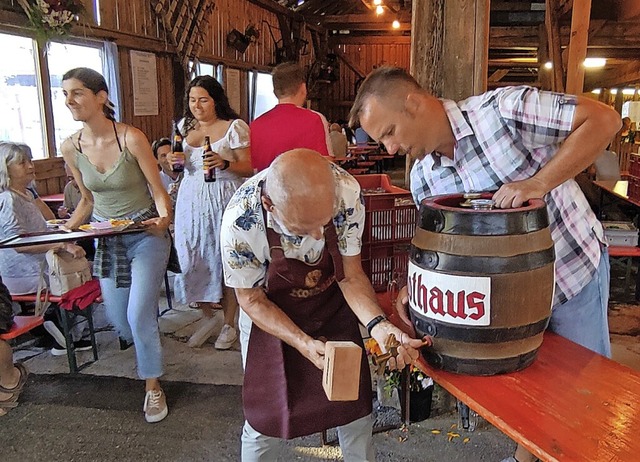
(525, 144)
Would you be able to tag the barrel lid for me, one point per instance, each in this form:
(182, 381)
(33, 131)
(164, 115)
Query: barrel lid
(447, 214)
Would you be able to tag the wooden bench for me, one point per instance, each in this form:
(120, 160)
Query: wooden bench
(570, 405)
(67, 321)
(22, 325)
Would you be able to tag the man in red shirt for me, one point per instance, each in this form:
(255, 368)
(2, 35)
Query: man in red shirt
(288, 125)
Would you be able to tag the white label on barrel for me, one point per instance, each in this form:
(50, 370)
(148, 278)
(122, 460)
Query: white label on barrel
(449, 298)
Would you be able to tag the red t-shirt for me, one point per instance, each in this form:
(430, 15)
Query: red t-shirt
(287, 127)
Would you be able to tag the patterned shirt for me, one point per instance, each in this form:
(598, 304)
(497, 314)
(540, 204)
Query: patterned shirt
(508, 135)
(245, 249)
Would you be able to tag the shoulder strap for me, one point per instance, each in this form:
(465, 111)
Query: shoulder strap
(118, 139)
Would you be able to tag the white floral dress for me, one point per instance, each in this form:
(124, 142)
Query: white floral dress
(198, 217)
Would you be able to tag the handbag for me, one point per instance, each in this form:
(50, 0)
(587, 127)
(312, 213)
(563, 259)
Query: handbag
(66, 272)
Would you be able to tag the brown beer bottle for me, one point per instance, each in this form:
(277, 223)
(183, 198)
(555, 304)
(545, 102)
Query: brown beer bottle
(176, 147)
(209, 173)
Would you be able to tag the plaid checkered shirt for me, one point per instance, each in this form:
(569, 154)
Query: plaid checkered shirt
(508, 135)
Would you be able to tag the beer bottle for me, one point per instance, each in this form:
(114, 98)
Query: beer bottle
(176, 147)
(209, 172)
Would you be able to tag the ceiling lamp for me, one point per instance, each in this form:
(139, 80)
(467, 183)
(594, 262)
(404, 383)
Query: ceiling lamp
(379, 10)
(395, 24)
(548, 65)
(593, 63)
(377, 2)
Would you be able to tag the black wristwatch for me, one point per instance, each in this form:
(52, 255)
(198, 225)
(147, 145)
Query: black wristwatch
(226, 164)
(374, 322)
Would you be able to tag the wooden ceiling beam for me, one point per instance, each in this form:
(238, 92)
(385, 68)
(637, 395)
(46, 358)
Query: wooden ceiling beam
(563, 7)
(628, 9)
(369, 40)
(276, 8)
(362, 18)
(497, 75)
(618, 76)
(404, 26)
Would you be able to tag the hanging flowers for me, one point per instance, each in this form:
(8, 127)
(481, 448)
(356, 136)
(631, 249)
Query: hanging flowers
(51, 18)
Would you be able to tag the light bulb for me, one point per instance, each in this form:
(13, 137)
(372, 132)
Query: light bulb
(379, 10)
(395, 24)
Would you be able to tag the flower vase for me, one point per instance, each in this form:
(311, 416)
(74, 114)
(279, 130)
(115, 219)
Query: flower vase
(420, 404)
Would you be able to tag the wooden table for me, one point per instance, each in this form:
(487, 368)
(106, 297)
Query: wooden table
(570, 405)
(616, 188)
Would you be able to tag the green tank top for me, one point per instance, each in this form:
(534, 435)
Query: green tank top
(119, 192)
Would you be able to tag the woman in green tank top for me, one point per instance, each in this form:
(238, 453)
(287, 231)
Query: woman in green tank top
(118, 178)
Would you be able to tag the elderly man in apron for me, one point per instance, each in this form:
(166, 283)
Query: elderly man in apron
(291, 244)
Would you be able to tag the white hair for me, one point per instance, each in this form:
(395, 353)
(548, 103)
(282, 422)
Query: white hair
(11, 153)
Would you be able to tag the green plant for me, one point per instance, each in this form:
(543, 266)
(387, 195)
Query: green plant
(51, 18)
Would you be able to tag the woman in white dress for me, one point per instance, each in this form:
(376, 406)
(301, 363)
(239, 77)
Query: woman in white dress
(200, 205)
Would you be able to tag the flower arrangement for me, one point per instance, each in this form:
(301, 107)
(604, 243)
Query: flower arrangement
(51, 18)
(418, 380)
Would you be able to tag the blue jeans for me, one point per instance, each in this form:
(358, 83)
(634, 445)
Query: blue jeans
(583, 319)
(134, 310)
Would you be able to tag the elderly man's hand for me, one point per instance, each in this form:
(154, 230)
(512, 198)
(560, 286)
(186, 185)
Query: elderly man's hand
(314, 352)
(407, 350)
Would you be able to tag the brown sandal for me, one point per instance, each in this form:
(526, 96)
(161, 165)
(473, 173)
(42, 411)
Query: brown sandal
(12, 401)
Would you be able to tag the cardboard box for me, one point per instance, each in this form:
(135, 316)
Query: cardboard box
(620, 233)
(341, 376)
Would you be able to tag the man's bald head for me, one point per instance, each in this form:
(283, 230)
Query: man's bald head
(302, 190)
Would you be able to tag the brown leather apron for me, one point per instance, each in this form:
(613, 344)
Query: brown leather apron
(282, 393)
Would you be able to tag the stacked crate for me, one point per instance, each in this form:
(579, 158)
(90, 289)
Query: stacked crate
(390, 224)
(633, 189)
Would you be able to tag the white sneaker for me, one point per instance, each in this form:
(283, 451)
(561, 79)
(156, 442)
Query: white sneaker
(228, 335)
(155, 406)
(57, 335)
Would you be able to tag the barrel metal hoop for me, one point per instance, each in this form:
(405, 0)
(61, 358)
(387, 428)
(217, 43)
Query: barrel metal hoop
(482, 223)
(468, 334)
(482, 265)
(471, 366)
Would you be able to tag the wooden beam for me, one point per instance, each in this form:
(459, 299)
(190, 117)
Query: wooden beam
(374, 26)
(359, 18)
(553, 39)
(427, 44)
(628, 9)
(562, 7)
(350, 64)
(274, 7)
(369, 40)
(498, 75)
(578, 46)
(621, 75)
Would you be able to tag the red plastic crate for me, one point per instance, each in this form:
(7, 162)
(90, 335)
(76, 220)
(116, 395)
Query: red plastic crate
(391, 216)
(384, 263)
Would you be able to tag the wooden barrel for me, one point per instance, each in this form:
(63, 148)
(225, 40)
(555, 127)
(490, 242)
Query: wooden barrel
(481, 284)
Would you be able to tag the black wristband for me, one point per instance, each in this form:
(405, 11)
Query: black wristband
(226, 164)
(374, 322)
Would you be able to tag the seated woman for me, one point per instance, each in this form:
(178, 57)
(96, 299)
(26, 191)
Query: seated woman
(21, 212)
(12, 376)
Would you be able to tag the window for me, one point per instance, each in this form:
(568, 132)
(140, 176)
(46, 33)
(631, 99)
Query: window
(22, 90)
(61, 58)
(261, 96)
(19, 95)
